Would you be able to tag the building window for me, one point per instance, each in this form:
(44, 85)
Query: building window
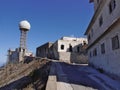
(115, 42)
(90, 54)
(100, 21)
(78, 49)
(112, 5)
(103, 48)
(62, 47)
(95, 52)
(70, 48)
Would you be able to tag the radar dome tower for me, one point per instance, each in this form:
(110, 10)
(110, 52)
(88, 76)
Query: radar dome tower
(24, 26)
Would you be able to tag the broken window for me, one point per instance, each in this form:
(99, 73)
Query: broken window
(115, 42)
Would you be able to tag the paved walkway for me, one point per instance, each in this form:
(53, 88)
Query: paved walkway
(78, 77)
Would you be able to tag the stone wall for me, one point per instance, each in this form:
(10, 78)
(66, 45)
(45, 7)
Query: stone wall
(44, 50)
(110, 60)
(73, 57)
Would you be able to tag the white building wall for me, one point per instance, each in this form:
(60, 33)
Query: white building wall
(74, 39)
(67, 55)
(66, 45)
(110, 61)
(67, 41)
(108, 19)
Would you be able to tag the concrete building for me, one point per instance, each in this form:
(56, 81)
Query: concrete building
(17, 55)
(66, 49)
(104, 36)
(44, 50)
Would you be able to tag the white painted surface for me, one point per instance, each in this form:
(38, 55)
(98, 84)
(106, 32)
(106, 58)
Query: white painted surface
(24, 25)
(110, 61)
(63, 86)
(51, 83)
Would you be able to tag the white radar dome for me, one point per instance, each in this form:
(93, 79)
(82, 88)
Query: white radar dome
(24, 25)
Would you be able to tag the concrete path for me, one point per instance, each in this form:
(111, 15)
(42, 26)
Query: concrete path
(78, 77)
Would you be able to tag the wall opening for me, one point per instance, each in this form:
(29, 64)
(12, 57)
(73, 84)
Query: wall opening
(62, 47)
(70, 48)
(115, 42)
(78, 49)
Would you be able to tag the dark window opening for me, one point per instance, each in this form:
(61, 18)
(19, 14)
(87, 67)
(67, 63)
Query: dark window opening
(62, 47)
(90, 54)
(112, 5)
(70, 48)
(103, 48)
(78, 49)
(95, 52)
(100, 21)
(115, 42)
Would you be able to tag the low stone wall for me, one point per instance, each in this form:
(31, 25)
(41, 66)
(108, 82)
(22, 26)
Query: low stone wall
(73, 57)
(81, 59)
(64, 56)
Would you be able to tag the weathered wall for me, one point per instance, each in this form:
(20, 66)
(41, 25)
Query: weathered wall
(56, 52)
(79, 58)
(44, 50)
(108, 20)
(15, 56)
(110, 61)
(74, 43)
(73, 57)
(64, 56)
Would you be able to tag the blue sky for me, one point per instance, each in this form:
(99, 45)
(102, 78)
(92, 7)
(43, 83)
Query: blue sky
(49, 19)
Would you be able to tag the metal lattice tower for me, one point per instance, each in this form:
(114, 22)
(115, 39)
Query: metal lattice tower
(24, 27)
(23, 39)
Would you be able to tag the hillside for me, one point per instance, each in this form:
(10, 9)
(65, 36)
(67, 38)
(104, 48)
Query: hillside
(25, 76)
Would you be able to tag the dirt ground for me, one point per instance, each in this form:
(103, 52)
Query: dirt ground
(30, 76)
